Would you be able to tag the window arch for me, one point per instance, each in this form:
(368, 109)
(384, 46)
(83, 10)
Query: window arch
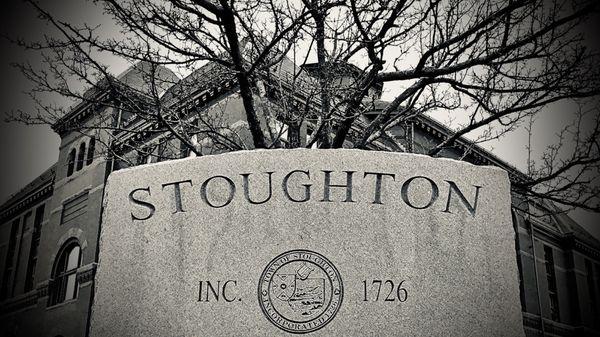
(91, 149)
(71, 163)
(81, 156)
(64, 274)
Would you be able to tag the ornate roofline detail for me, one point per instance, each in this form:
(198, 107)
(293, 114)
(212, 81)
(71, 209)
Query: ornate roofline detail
(567, 241)
(480, 154)
(199, 99)
(31, 199)
(39, 189)
(587, 249)
(81, 111)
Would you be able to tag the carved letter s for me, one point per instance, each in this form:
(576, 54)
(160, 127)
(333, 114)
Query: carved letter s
(151, 208)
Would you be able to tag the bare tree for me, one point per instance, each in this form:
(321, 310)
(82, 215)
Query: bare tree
(491, 65)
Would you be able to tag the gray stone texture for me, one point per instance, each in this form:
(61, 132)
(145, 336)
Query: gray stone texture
(459, 267)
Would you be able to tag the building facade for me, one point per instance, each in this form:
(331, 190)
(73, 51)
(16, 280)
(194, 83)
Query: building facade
(49, 230)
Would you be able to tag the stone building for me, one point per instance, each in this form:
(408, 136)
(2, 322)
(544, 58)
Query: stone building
(49, 230)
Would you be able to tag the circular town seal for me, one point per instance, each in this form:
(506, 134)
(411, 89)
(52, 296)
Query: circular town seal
(300, 291)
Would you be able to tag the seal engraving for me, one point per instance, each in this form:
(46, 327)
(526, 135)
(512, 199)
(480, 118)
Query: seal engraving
(300, 291)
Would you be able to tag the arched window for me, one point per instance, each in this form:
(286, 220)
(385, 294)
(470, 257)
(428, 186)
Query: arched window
(64, 275)
(71, 163)
(81, 156)
(91, 149)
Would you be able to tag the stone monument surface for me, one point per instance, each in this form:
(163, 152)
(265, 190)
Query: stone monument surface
(318, 242)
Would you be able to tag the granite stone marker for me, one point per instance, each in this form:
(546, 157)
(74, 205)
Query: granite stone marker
(319, 242)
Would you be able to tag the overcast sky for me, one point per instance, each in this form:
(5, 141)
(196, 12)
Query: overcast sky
(27, 151)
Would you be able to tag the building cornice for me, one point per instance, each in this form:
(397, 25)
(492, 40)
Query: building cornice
(142, 131)
(29, 200)
(565, 240)
(39, 189)
(81, 112)
(481, 155)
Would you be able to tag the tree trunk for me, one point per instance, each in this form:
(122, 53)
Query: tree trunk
(258, 137)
